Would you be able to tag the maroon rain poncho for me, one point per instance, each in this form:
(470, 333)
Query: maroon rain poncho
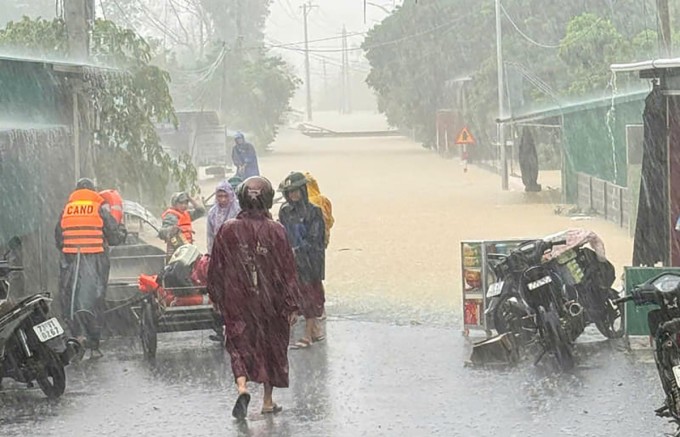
(252, 280)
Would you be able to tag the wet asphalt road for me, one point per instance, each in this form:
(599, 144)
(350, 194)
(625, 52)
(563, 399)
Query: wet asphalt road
(367, 379)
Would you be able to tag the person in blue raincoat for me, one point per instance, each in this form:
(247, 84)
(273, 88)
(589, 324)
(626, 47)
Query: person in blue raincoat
(245, 157)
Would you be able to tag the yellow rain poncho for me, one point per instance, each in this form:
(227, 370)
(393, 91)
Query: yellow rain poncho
(318, 199)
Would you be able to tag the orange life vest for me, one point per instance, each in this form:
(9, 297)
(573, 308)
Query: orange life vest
(183, 222)
(115, 201)
(82, 226)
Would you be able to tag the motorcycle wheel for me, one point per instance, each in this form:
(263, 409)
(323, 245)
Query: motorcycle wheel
(147, 332)
(669, 358)
(52, 380)
(557, 339)
(614, 313)
(510, 317)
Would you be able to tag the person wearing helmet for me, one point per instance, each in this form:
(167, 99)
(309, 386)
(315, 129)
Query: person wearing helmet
(252, 281)
(306, 233)
(245, 157)
(83, 233)
(176, 228)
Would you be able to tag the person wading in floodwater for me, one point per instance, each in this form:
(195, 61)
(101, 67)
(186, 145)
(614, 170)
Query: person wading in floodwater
(252, 280)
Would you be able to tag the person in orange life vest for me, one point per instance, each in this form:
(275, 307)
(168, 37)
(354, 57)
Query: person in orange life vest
(83, 233)
(113, 201)
(176, 229)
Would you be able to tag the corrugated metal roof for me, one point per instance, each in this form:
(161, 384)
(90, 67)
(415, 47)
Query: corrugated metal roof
(570, 107)
(654, 64)
(59, 65)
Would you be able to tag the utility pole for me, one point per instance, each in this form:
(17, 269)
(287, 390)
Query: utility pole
(325, 80)
(306, 8)
(343, 76)
(78, 17)
(346, 73)
(663, 15)
(501, 99)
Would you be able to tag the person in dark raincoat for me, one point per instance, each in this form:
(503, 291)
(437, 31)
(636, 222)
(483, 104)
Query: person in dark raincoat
(226, 207)
(252, 280)
(83, 233)
(306, 233)
(244, 157)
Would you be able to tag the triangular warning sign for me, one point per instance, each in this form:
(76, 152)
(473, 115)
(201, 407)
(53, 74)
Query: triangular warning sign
(465, 137)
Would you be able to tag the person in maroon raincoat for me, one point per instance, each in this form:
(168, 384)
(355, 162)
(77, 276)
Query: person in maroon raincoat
(252, 281)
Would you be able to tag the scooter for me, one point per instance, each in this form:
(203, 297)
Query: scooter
(33, 347)
(664, 325)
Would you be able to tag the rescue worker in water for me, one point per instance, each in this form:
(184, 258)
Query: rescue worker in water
(85, 230)
(177, 229)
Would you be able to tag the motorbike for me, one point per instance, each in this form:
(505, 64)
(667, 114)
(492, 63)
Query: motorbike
(33, 347)
(585, 273)
(531, 302)
(664, 326)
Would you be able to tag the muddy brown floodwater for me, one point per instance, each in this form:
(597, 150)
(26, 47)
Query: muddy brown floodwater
(401, 212)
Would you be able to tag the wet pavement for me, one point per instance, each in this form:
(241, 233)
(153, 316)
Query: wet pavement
(368, 378)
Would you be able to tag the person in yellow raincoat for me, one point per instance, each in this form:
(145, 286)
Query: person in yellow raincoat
(318, 199)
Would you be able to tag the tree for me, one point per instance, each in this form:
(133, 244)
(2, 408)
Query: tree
(129, 102)
(590, 46)
(551, 48)
(251, 88)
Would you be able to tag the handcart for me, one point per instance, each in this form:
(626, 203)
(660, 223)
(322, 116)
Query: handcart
(172, 309)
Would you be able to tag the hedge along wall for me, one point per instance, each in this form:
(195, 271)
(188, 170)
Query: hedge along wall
(595, 143)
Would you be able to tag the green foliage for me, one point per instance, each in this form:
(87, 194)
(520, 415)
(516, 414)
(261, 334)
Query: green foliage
(590, 46)
(128, 99)
(551, 49)
(251, 88)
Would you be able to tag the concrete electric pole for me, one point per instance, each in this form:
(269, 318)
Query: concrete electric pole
(306, 8)
(501, 99)
(664, 18)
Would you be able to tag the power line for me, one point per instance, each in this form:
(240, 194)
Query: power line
(317, 40)
(527, 37)
(378, 45)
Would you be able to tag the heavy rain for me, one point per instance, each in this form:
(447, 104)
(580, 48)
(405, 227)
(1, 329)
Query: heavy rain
(339, 218)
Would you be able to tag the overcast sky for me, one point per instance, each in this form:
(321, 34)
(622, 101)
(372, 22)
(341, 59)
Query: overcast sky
(285, 25)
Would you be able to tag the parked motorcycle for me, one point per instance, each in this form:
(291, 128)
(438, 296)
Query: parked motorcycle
(584, 273)
(591, 276)
(33, 346)
(664, 326)
(531, 302)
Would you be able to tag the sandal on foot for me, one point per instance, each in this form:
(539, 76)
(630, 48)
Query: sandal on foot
(240, 410)
(302, 343)
(272, 410)
(319, 338)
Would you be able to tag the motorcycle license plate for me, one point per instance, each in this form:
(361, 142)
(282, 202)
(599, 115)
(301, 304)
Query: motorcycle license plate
(494, 289)
(48, 330)
(676, 373)
(539, 283)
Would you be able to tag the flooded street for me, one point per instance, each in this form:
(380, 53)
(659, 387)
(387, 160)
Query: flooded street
(393, 362)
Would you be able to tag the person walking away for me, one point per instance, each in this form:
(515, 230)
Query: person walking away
(323, 202)
(226, 207)
(176, 228)
(244, 157)
(83, 233)
(305, 228)
(252, 280)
